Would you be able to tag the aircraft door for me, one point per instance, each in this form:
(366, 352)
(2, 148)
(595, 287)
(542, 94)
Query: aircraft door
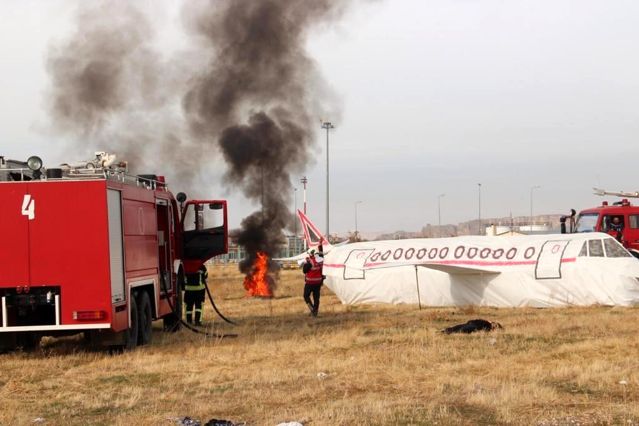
(549, 260)
(354, 264)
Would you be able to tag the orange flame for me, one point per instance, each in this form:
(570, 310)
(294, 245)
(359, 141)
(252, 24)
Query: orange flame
(257, 283)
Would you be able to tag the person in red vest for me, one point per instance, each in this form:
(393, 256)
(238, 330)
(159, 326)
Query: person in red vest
(313, 279)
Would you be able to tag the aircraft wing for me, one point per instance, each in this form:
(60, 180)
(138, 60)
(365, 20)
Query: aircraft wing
(299, 258)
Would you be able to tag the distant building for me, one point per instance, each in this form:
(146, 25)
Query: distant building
(293, 246)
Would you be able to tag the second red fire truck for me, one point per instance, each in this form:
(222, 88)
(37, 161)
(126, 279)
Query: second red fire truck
(619, 218)
(90, 248)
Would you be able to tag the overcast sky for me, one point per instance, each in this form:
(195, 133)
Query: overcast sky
(436, 97)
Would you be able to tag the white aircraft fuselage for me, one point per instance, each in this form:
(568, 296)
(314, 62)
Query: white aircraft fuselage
(537, 271)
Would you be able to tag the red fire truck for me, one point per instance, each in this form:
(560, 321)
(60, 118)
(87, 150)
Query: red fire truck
(89, 248)
(620, 219)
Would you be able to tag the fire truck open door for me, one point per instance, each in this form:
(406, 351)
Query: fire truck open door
(205, 229)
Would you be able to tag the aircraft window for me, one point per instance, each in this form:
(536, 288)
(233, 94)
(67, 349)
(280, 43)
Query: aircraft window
(587, 222)
(595, 248)
(634, 221)
(584, 250)
(614, 249)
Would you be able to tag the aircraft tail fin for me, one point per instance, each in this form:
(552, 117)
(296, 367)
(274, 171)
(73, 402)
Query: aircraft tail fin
(312, 234)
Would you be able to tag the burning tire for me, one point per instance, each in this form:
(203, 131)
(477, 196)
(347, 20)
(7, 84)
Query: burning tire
(145, 319)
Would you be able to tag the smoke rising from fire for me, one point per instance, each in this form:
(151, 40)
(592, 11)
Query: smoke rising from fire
(257, 95)
(252, 97)
(111, 90)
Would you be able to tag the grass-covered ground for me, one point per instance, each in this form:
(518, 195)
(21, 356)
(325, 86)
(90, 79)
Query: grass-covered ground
(354, 365)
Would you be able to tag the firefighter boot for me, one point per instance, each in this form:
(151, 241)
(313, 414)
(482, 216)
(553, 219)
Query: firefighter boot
(198, 317)
(310, 308)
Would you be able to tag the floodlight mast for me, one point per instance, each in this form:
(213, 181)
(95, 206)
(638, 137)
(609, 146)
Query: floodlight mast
(532, 188)
(304, 181)
(328, 126)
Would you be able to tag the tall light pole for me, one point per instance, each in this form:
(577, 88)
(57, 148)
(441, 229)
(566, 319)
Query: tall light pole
(356, 235)
(439, 209)
(328, 126)
(479, 214)
(293, 250)
(304, 182)
(531, 205)
(295, 210)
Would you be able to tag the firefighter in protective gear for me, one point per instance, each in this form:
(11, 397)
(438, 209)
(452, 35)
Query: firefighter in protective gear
(194, 291)
(313, 279)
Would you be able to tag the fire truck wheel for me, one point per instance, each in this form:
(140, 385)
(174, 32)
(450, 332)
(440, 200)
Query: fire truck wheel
(131, 340)
(8, 342)
(172, 321)
(145, 318)
(28, 341)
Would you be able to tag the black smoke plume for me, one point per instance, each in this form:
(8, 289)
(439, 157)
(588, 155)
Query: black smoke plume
(247, 92)
(111, 91)
(259, 90)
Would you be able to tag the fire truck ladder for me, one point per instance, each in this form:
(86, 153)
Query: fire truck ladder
(602, 192)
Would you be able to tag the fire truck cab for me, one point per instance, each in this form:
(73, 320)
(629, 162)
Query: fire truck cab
(89, 248)
(619, 219)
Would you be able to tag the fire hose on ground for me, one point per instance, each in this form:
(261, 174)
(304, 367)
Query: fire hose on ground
(189, 326)
(208, 292)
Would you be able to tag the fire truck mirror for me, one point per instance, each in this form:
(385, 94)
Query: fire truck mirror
(180, 197)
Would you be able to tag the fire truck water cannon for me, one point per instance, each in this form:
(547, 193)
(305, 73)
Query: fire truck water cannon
(122, 249)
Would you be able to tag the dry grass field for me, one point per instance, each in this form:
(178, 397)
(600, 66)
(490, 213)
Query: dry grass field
(361, 365)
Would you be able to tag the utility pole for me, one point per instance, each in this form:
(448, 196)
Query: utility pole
(304, 182)
(479, 214)
(531, 205)
(294, 221)
(356, 233)
(328, 126)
